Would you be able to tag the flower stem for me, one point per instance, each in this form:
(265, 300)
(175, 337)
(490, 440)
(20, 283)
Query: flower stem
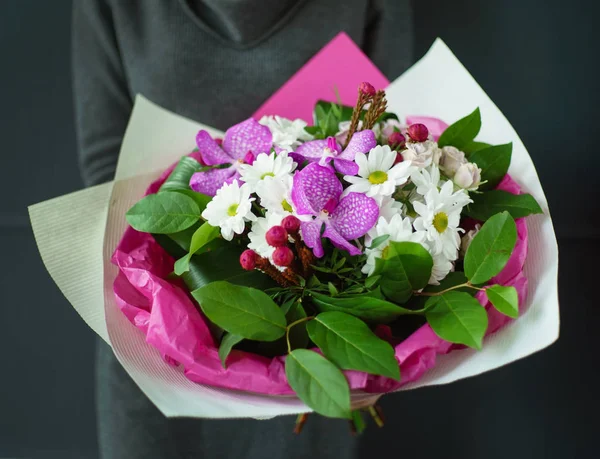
(466, 284)
(289, 327)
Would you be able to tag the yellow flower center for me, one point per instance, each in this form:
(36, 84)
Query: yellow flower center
(385, 252)
(267, 174)
(377, 177)
(440, 222)
(232, 210)
(286, 206)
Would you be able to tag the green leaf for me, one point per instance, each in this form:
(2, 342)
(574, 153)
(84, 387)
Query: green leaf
(379, 240)
(351, 345)
(202, 236)
(490, 203)
(371, 281)
(491, 248)
(493, 162)
(201, 199)
(332, 290)
(407, 267)
(179, 179)
(227, 342)
(364, 307)
(243, 311)
(318, 383)
(474, 146)
(358, 421)
(461, 133)
(457, 317)
(223, 264)
(504, 299)
(453, 279)
(163, 213)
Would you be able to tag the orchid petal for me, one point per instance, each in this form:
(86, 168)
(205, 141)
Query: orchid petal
(346, 167)
(247, 136)
(336, 238)
(212, 154)
(313, 187)
(312, 150)
(355, 215)
(311, 234)
(361, 142)
(209, 182)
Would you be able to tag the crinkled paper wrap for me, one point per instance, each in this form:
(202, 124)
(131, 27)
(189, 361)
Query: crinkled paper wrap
(78, 233)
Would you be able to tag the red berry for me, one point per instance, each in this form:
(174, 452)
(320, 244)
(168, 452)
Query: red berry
(277, 236)
(283, 256)
(367, 88)
(398, 159)
(396, 140)
(418, 132)
(291, 224)
(248, 259)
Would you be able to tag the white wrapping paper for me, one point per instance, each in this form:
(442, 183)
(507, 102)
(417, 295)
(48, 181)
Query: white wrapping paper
(77, 234)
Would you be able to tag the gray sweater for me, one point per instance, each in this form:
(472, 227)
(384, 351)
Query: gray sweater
(214, 61)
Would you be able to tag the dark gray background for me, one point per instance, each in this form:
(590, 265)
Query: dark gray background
(536, 59)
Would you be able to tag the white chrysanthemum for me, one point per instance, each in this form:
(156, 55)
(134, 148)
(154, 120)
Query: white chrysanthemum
(425, 179)
(230, 209)
(377, 174)
(267, 165)
(275, 194)
(388, 207)
(287, 134)
(439, 218)
(257, 234)
(398, 230)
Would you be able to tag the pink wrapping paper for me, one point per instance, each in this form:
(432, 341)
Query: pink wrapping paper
(165, 313)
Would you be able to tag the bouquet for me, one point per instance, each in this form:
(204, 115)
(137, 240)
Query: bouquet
(282, 267)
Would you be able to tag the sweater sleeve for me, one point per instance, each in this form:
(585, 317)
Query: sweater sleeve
(389, 36)
(102, 100)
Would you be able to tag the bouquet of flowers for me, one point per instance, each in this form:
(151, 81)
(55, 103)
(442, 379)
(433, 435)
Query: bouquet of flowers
(287, 267)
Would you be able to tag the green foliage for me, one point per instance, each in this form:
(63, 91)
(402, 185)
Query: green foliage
(163, 213)
(457, 317)
(462, 133)
(474, 146)
(179, 179)
(493, 162)
(406, 267)
(227, 342)
(351, 345)
(504, 299)
(202, 236)
(318, 383)
(364, 306)
(243, 311)
(490, 203)
(491, 248)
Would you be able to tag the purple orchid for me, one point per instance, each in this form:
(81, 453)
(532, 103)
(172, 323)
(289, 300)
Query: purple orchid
(325, 150)
(316, 192)
(242, 143)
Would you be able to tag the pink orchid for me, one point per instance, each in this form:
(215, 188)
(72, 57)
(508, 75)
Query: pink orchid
(242, 143)
(316, 192)
(325, 150)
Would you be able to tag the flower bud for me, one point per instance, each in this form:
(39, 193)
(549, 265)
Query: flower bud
(283, 256)
(291, 224)
(396, 140)
(451, 159)
(277, 236)
(248, 259)
(418, 132)
(468, 176)
(367, 88)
